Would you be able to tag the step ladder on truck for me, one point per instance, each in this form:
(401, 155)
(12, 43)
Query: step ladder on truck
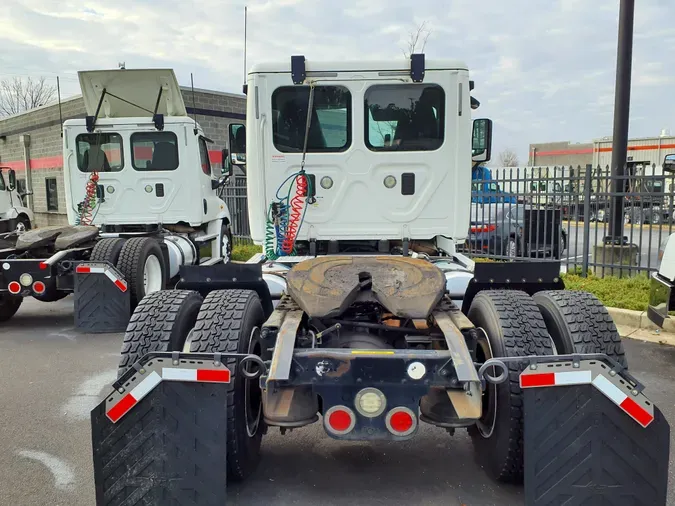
(360, 315)
(142, 200)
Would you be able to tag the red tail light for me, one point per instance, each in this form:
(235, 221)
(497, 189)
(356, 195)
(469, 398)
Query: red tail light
(14, 287)
(44, 265)
(483, 228)
(39, 287)
(339, 420)
(401, 421)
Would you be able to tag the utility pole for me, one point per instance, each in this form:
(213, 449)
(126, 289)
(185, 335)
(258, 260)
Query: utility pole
(624, 60)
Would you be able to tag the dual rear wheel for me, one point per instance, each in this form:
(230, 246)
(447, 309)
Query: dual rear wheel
(515, 324)
(226, 321)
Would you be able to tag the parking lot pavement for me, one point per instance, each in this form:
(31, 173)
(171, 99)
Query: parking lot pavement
(51, 377)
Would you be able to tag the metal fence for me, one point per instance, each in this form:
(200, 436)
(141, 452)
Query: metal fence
(564, 212)
(556, 213)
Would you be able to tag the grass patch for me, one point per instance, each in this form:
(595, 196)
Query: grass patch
(625, 293)
(243, 251)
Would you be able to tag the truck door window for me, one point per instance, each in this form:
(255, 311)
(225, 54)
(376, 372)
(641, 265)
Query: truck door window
(204, 156)
(99, 152)
(2, 183)
(408, 117)
(330, 126)
(154, 151)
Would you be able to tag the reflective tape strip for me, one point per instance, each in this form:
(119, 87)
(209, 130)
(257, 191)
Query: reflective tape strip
(201, 375)
(118, 282)
(632, 408)
(550, 379)
(87, 269)
(132, 398)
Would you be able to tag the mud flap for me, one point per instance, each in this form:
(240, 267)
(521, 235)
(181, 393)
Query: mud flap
(598, 441)
(102, 301)
(168, 443)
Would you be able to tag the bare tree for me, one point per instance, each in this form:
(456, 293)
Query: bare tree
(508, 158)
(18, 95)
(417, 40)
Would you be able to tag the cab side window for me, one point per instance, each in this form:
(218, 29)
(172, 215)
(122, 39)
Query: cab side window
(2, 183)
(204, 156)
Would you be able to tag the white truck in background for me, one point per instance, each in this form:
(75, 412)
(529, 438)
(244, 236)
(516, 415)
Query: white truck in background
(14, 215)
(141, 194)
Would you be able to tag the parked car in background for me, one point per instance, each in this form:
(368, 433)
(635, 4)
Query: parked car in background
(515, 230)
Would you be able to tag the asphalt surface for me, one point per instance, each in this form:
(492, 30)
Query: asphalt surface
(51, 376)
(648, 240)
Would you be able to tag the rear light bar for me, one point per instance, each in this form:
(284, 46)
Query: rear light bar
(483, 228)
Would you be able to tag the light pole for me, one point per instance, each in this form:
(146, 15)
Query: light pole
(624, 60)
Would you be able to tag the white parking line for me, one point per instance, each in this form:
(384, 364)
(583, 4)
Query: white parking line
(79, 405)
(64, 477)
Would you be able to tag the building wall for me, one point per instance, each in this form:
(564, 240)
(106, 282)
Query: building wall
(649, 150)
(213, 110)
(549, 154)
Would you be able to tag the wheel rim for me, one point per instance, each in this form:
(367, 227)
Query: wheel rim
(152, 275)
(20, 227)
(488, 419)
(225, 246)
(252, 392)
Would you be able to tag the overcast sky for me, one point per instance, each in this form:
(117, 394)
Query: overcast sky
(544, 70)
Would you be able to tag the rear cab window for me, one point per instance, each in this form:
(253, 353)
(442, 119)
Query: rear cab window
(154, 151)
(99, 152)
(404, 117)
(330, 125)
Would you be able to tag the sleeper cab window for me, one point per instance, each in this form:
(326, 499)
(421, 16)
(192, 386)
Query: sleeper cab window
(330, 125)
(154, 151)
(99, 152)
(404, 117)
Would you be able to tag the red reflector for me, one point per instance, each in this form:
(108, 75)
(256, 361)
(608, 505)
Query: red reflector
(636, 411)
(39, 287)
(14, 287)
(83, 269)
(121, 285)
(339, 420)
(119, 410)
(483, 228)
(401, 421)
(546, 379)
(44, 265)
(220, 376)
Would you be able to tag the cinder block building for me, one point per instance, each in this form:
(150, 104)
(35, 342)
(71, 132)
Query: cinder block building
(31, 144)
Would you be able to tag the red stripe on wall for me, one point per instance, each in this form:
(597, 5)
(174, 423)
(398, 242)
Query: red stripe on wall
(56, 162)
(563, 152)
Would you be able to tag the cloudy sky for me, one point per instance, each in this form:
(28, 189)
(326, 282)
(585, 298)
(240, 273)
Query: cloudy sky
(544, 70)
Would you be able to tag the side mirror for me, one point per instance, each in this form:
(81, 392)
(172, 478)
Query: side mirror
(227, 170)
(12, 180)
(481, 143)
(669, 163)
(237, 140)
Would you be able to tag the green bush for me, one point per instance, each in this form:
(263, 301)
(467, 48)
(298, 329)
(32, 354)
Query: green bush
(243, 251)
(624, 293)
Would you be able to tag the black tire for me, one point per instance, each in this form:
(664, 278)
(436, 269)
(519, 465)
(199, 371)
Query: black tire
(579, 323)
(131, 263)
(161, 322)
(107, 250)
(514, 327)
(227, 322)
(9, 305)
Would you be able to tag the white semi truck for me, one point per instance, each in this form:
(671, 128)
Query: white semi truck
(14, 215)
(360, 315)
(141, 194)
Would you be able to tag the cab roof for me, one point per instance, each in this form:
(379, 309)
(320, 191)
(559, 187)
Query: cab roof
(356, 66)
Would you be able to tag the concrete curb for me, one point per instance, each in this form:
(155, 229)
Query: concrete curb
(638, 320)
(636, 325)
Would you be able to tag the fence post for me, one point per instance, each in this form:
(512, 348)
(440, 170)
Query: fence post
(587, 214)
